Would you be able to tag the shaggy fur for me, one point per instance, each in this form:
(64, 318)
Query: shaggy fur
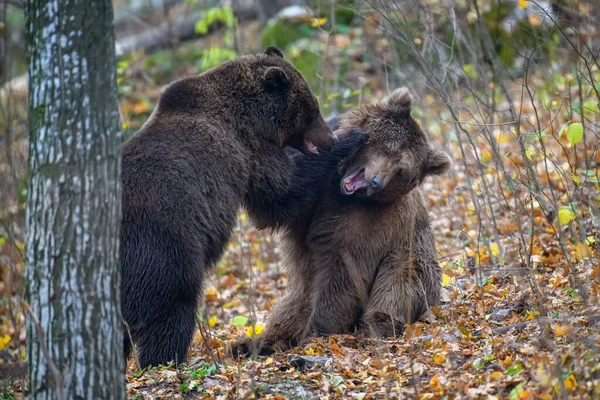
(365, 259)
(215, 142)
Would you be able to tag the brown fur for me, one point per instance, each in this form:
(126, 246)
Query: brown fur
(365, 260)
(214, 142)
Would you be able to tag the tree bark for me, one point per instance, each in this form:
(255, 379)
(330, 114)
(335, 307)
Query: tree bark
(75, 338)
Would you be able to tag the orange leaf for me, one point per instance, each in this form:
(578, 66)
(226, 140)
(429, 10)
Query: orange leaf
(581, 251)
(560, 330)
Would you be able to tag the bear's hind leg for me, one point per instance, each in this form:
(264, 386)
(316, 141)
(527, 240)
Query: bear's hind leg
(167, 337)
(286, 327)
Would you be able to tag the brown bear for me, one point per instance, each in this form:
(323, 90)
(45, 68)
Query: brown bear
(215, 142)
(364, 255)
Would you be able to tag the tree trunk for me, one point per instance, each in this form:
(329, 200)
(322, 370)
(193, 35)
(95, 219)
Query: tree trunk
(75, 338)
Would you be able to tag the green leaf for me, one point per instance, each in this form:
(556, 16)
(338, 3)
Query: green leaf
(529, 152)
(336, 380)
(575, 133)
(201, 27)
(514, 369)
(563, 129)
(516, 391)
(239, 321)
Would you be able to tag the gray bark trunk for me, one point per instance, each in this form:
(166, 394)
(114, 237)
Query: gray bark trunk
(75, 338)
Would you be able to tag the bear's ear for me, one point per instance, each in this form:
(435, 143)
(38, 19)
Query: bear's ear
(275, 78)
(436, 163)
(400, 101)
(273, 52)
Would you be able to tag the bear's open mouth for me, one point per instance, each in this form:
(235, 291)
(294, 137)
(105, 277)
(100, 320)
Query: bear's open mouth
(354, 181)
(310, 146)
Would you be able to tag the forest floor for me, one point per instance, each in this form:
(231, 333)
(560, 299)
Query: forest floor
(491, 337)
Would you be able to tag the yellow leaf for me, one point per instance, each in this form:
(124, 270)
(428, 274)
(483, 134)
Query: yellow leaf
(486, 156)
(258, 329)
(560, 330)
(309, 352)
(495, 249)
(571, 382)
(212, 321)
(211, 294)
(497, 375)
(231, 304)
(4, 341)
(565, 216)
(269, 361)
(318, 22)
(522, 3)
(439, 358)
(446, 280)
(590, 240)
(503, 139)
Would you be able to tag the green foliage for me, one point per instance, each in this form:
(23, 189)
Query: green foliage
(239, 321)
(282, 33)
(516, 391)
(206, 370)
(514, 369)
(6, 392)
(575, 133)
(215, 56)
(224, 15)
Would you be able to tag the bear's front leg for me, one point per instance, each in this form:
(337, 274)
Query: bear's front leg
(338, 295)
(397, 297)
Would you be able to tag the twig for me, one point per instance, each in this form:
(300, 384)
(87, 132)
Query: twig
(135, 355)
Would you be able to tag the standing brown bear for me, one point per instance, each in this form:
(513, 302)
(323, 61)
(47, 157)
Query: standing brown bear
(214, 142)
(364, 255)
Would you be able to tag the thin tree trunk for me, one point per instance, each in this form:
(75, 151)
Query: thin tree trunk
(75, 338)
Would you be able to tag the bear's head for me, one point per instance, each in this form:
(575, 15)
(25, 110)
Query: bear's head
(262, 94)
(293, 106)
(397, 155)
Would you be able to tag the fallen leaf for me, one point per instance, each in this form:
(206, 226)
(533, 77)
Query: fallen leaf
(560, 330)
(258, 329)
(439, 358)
(570, 382)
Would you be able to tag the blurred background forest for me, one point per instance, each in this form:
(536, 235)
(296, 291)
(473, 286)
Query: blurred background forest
(511, 89)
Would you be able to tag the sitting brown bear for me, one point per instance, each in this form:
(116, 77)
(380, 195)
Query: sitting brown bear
(364, 255)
